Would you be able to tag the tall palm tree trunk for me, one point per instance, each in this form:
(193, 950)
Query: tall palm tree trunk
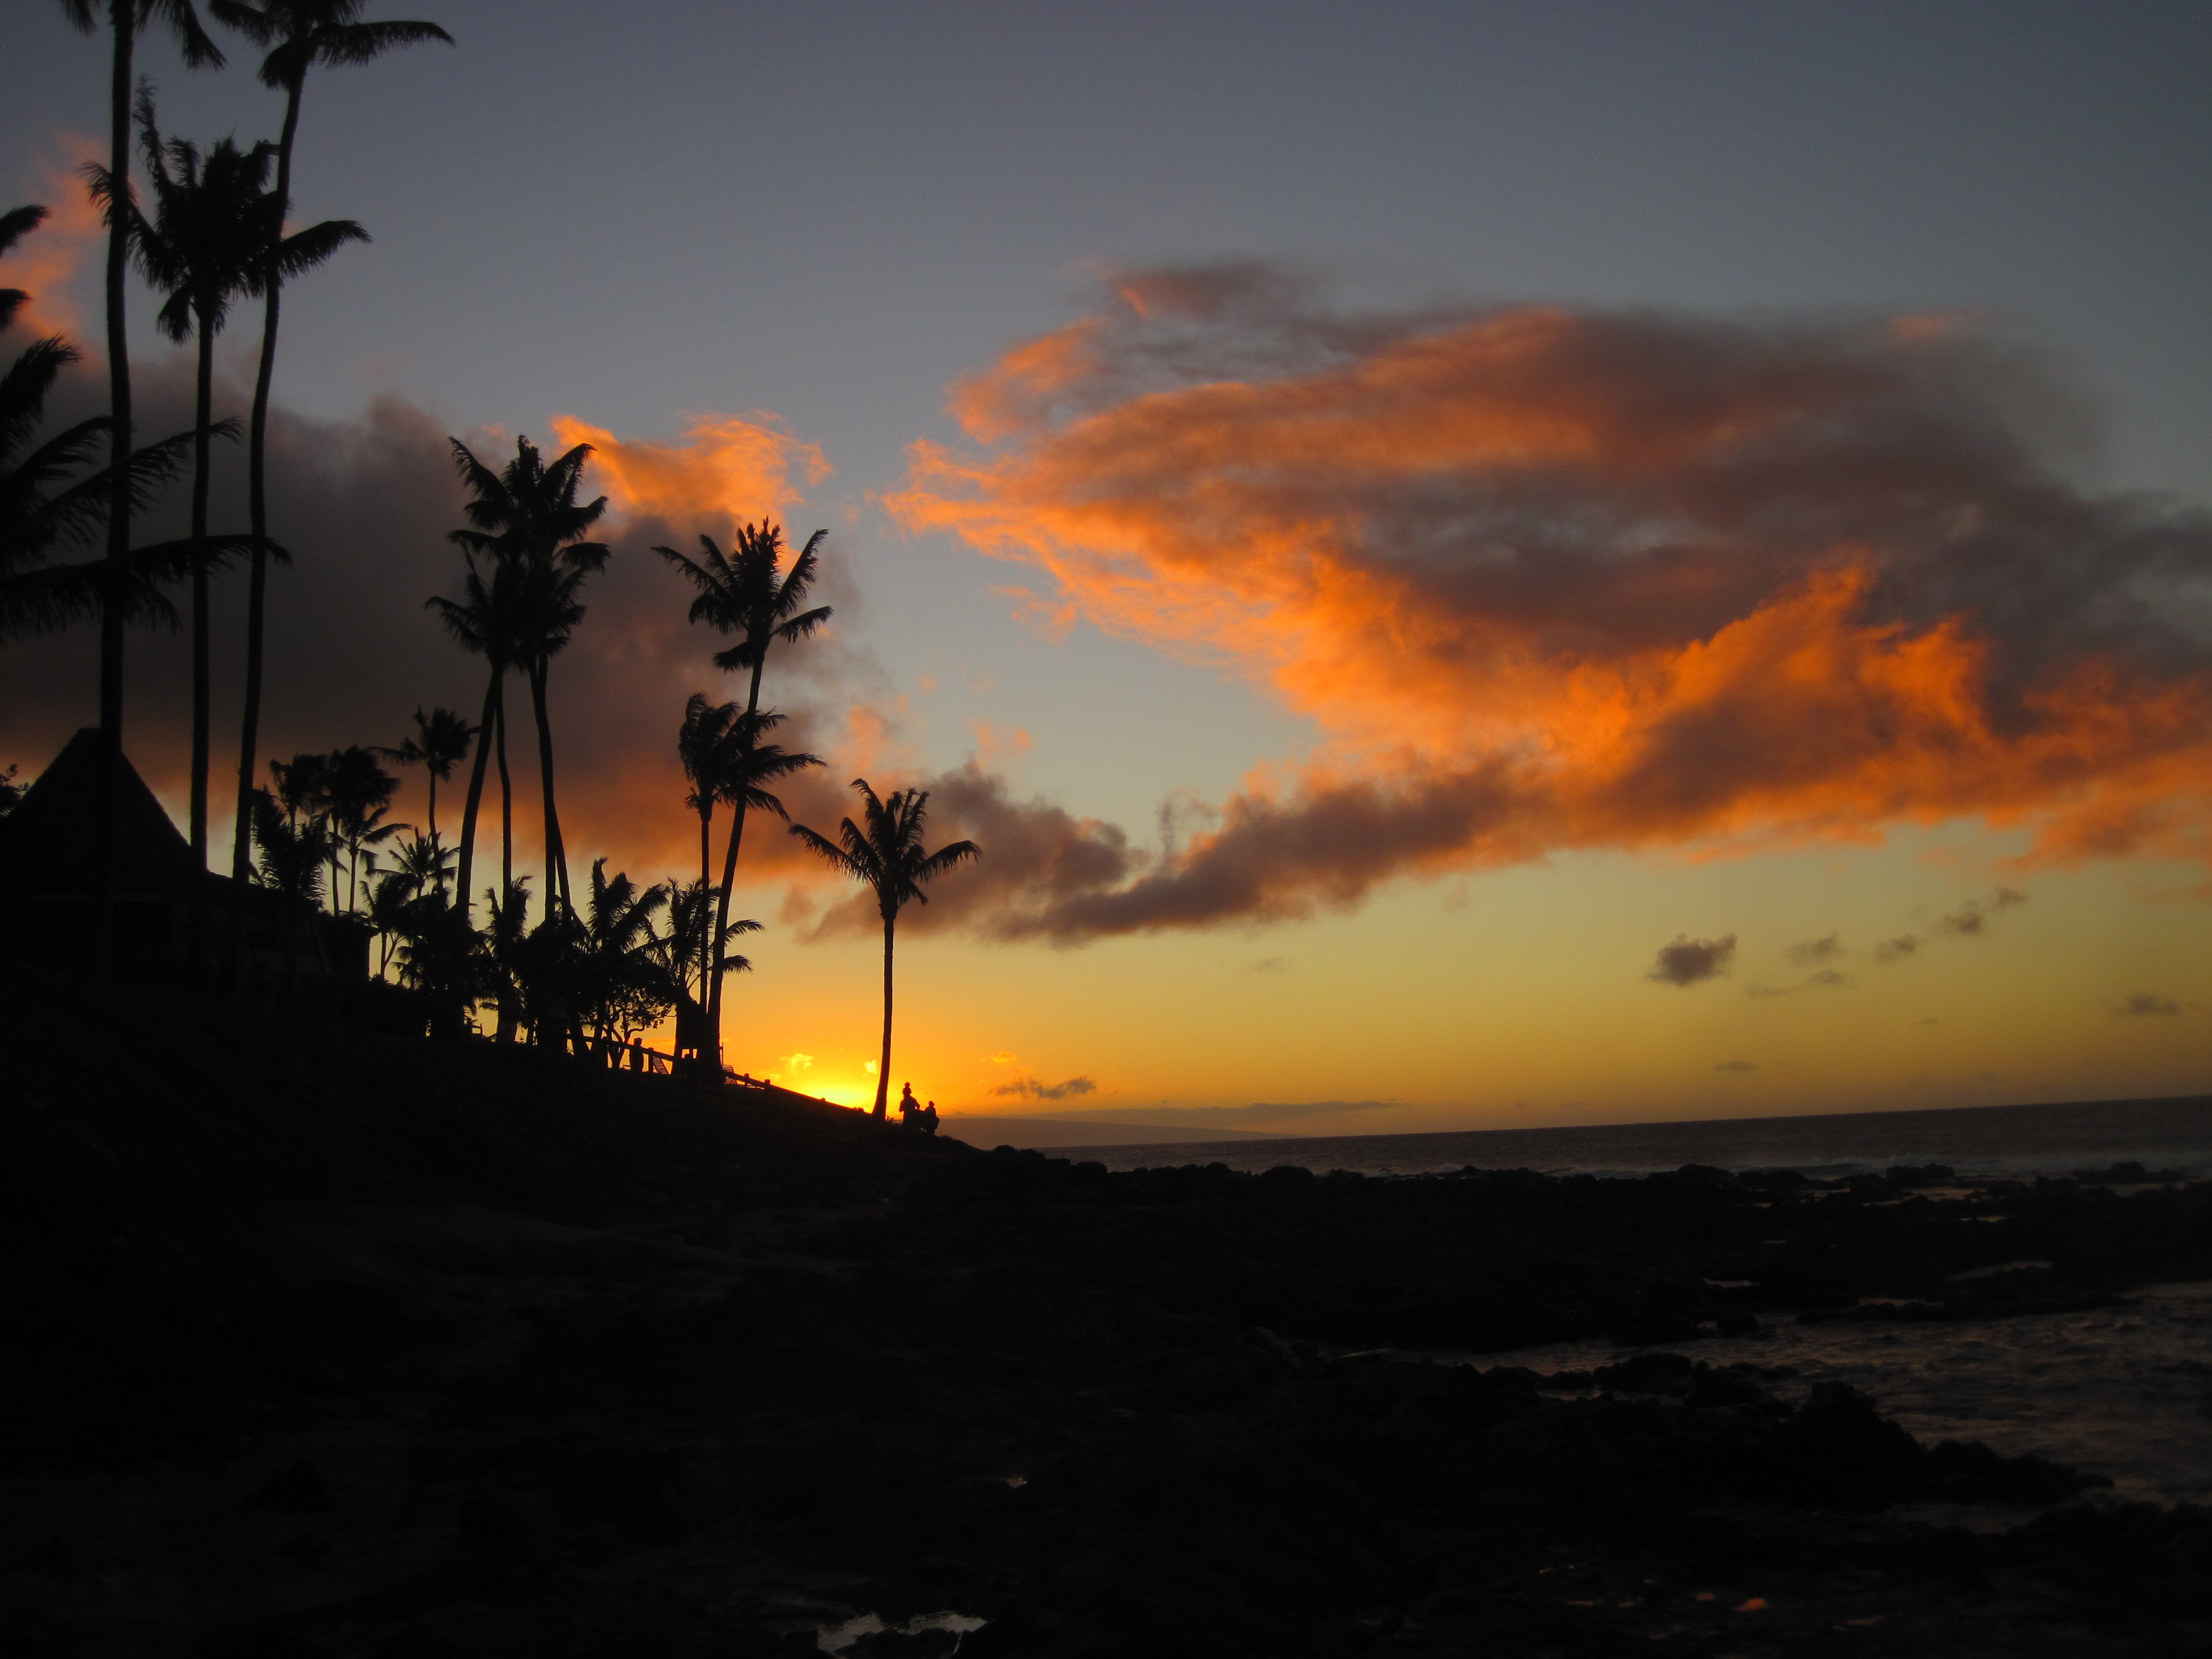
(475, 790)
(706, 857)
(884, 1061)
(203, 413)
(123, 16)
(722, 919)
(257, 491)
(713, 999)
(506, 803)
(557, 853)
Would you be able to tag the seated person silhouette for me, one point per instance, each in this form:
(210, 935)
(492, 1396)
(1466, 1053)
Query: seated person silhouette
(927, 1118)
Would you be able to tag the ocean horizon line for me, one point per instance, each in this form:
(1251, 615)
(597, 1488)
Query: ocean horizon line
(2170, 1130)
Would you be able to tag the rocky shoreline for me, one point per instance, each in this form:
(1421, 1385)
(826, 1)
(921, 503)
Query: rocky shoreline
(329, 1344)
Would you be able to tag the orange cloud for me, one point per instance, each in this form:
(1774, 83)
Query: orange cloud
(44, 265)
(729, 469)
(1546, 578)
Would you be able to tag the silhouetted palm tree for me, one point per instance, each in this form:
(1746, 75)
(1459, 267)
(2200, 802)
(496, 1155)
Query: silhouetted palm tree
(292, 864)
(749, 594)
(422, 863)
(360, 793)
(439, 742)
(203, 247)
(296, 35)
(481, 622)
(46, 501)
(706, 726)
(743, 766)
(125, 19)
(525, 518)
(887, 855)
(624, 988)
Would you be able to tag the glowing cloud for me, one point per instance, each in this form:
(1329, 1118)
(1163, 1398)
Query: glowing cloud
(1546, 579)
(45, 263)
(729, 468)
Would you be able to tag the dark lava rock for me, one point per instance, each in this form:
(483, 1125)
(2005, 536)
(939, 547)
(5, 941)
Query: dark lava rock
(297, 1489)
(1647, 1373)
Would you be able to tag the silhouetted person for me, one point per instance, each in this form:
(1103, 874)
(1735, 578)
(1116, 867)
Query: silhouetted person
(907, 1105)
(927, 1118)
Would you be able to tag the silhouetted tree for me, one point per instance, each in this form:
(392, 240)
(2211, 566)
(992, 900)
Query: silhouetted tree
(625, 987)
(439, 743)
(46, 501)
(203, 247)
(296, 35)
(302, 786)
(698, 740)
(291, 858)
(526, 519)
(126, 20)
(359, 793)
(751, 595)
(693, 937)
(885, 853)
(481, 622)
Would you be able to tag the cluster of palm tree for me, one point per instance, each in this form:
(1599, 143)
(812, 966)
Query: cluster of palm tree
(215, 235)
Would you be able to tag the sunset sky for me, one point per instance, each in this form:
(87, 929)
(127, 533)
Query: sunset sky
(1468, 566)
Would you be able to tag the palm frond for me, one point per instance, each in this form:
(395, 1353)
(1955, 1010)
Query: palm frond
(18, 222)
(302, 251)
(193, 41)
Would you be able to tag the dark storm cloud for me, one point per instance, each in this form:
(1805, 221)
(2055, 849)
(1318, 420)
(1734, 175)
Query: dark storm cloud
(365, 505)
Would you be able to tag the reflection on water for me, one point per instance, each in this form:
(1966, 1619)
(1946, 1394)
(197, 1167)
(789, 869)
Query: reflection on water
(2124, 1392)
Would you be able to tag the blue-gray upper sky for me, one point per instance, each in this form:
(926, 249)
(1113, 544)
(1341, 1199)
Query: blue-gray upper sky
(830, 210)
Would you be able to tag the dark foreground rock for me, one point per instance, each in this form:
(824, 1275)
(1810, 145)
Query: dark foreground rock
(322, 1344)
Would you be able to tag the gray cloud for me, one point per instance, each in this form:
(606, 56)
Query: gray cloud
(1737, 1066)
(2144, 1005)
(1828, 979)
(1896, 949)
(1029, 1088)
(1692, 961)
(1813, 952)
(1971, 917)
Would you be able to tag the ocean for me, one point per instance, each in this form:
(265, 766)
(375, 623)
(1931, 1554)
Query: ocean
(2174, 1133)
(2124, 1392)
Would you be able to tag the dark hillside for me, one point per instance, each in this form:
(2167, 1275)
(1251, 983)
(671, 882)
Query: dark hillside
(321, 1343)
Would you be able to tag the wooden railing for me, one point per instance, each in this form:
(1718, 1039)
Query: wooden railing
(637, 1057)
